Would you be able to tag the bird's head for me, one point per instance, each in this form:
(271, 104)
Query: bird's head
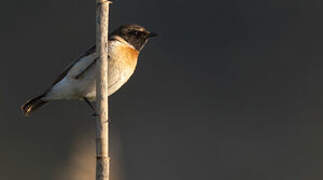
(134, 34)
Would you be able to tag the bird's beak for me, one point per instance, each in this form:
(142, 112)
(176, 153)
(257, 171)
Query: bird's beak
(152, 34)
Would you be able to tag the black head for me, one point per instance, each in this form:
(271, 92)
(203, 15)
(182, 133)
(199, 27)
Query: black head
(134, 34)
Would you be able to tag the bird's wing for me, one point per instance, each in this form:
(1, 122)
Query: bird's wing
(91, 50)
(78, 76)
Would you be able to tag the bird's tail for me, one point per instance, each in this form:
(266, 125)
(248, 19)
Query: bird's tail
(33, 104)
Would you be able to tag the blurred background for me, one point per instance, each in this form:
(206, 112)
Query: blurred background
(230, 90)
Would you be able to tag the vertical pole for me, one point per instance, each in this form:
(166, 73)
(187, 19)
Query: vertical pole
(102, 123)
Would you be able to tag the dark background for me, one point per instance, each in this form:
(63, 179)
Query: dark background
(230, 90)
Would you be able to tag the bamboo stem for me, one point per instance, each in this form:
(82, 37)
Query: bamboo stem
(102, 123)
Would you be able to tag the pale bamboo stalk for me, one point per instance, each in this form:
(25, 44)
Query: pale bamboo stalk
(102, 123)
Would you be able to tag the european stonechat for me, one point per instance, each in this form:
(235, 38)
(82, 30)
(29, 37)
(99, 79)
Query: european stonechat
(78, 81)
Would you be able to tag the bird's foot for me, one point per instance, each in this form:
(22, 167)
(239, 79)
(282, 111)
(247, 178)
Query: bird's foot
(95, 114)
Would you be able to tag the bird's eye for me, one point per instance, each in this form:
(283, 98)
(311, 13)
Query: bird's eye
(135, 33)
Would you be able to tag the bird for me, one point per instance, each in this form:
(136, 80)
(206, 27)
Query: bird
(78, 80)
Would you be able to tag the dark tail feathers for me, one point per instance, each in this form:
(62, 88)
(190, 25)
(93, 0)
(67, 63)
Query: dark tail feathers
(32, 105)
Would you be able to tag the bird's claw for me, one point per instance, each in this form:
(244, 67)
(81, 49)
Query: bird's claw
(95, 114)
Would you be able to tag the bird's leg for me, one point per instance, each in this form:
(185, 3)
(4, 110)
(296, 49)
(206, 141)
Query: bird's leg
(91, 106)
(95, 114)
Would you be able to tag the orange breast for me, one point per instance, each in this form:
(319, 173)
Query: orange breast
(130, 56)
